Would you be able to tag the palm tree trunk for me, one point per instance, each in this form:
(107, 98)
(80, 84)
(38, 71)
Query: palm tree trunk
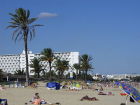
(50, 71)
(80, 74)
(85, 75)
(38, 75)
(59, 76)
(76, 74)
(26, 56)
(43, 72)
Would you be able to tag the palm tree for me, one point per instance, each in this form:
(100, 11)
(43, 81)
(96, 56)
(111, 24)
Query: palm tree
(37, 67)
(61, 66)
(19, 72)
(58, 67)
(22, 23)
(48, 56)
(77, 67)
(86, 65)
(1, 74)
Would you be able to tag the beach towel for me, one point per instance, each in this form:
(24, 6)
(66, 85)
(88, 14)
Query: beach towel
(3, 102)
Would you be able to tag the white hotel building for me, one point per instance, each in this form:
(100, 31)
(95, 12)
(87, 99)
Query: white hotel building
(10, 63)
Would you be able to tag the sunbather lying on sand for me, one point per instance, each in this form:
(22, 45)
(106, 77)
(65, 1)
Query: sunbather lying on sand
(55, 103)
(109, 93)
(89, 98)
(102, 93)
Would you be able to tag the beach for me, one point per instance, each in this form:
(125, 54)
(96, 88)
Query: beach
(19, 96)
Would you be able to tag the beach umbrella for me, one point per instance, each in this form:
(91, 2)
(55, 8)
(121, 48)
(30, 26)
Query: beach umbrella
(129, 90)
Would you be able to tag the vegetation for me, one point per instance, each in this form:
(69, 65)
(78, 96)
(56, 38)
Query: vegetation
(136, 79)
(85, 62)
(37, 67)
(54, 76)
(19, 72)
(24, 30)
(61, 66)
(48, 56)
(78, 68)
(1, 74)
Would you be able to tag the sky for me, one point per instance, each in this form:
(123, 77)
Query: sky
(107, 30)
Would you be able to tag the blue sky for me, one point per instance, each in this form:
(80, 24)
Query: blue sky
(108, 30)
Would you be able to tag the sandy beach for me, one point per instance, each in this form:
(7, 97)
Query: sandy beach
(19, 96)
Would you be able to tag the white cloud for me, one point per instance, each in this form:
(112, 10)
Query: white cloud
(46, 14)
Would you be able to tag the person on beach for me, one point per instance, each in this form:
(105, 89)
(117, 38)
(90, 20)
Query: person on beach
(35, 96)
(101, 88)
(26, 104)
(37, 101)
(122, 104)
(2, 88)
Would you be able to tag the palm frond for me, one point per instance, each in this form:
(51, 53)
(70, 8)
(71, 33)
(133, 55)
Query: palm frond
(12, 26)
(13, 15)
(28, 14)
(33, 33)
(36, 25)
(31, 20)
(14, 23)
(14, 34)
(17, 36)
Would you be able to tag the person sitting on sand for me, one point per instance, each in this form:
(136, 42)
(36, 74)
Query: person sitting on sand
(101, 88)
(37, 101)
(36, 95)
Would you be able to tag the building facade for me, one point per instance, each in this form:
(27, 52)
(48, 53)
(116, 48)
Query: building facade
(11, 63)
(122, 76)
